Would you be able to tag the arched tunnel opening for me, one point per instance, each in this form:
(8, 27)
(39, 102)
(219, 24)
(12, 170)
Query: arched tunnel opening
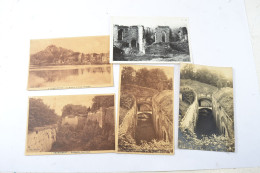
(206, 124)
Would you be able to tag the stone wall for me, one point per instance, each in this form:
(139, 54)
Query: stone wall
(129, 36)
(41, 139)
(70, 120)
(129, 123)
(191, 116)
(108, 116)
(224, 123)
(95, 116)
(163, 115)
(162, 32)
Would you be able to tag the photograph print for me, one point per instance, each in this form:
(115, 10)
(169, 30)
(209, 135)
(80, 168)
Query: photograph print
(145, 113)
(70, 63)
(149, 40)
(206, 109)
(71, 124)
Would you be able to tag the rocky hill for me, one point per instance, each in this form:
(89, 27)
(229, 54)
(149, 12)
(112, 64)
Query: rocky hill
(54, 55)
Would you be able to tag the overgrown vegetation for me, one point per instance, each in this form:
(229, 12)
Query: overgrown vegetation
(126, 144)
(89, 137)
(225, 99)
(189, 140)
(126, 101)
(40, 114)
(154, 78)
(205, 76)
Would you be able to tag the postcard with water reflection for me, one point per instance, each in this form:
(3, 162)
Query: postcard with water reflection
(70, 63)
(206, 111)
(71, 124)
(145, 114)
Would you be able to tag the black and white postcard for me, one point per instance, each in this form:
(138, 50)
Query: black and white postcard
(206, 112)
(149, 40)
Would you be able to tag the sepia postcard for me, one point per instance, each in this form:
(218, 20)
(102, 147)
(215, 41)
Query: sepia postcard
(206, 110)
(149, 40)
(70, 63)
(145, 113)
(71, 124)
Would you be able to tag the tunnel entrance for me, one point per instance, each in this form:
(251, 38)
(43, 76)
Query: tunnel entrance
(144, 129)
(206, 125)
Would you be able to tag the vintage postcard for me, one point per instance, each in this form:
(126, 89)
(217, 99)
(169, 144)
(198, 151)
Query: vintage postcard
(70, 63)
(71, 124)
(145, 113)
(206, 110)
(149, 40)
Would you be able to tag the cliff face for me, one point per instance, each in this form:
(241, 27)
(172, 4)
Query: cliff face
(41, 139)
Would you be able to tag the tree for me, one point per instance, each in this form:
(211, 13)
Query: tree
(142, 77)
(128, 75)
(40, 114)
(187, 72)
(71, 109)
(102, 101)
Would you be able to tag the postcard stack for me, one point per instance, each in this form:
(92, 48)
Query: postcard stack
(144, 120)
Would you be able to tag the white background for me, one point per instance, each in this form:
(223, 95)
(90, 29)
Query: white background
(219, 36)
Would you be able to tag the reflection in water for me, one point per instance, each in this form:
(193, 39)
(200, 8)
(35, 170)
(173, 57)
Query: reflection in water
(89, 76)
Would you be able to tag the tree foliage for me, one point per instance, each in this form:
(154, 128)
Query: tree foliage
(40, 114)
(154, 78)
(102, 101)
(71, 109)
(205, 76)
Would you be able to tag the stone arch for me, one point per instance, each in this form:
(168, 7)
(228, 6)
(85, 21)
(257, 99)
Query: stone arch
(205, 102)
(163, 36)
(144, 107)
(120, 34)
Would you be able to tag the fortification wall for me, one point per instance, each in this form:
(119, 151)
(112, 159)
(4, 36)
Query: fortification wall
(41, 139)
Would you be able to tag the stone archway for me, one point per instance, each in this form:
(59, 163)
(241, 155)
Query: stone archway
(144, 107)
(163, 37)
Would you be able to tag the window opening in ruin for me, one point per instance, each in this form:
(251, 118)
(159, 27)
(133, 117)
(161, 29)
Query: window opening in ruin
(133, 43)
(163, 36)
(120, 34)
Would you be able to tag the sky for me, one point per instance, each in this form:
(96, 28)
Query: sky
(151, 21)
(58, 102)
(91, 44)
(225, 71)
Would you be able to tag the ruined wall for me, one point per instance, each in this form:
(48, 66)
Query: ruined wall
(41, 139)
(160, 32)
(129, 37)
(163, 115)
(108, 116)
(70, 120)
(95, 116)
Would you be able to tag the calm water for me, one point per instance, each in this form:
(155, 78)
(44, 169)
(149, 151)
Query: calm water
(69, 76)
